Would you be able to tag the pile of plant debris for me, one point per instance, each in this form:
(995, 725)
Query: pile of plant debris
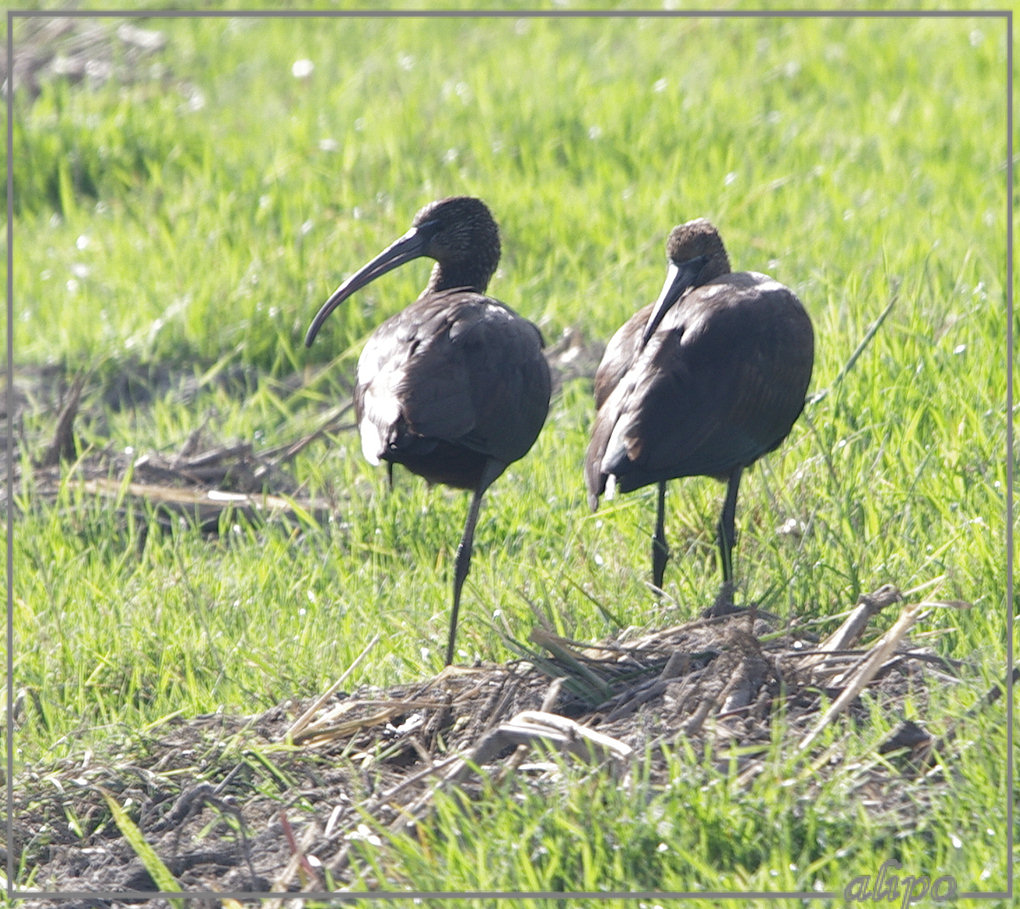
(277, 802)
(80, 50)
(201, 482)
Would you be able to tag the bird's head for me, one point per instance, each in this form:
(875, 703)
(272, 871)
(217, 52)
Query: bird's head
(696, 255)
(461, 235)
(458, 232)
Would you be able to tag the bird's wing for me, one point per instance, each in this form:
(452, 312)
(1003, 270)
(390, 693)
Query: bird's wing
(719, 384)
(460, 368)
(621, 353)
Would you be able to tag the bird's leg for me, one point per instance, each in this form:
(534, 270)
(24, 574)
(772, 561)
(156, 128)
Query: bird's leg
(490, 471)
(727, 533)
(660, 551)
(727, 537)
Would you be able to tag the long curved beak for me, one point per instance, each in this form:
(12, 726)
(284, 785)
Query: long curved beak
(679, 277)
(408, 247)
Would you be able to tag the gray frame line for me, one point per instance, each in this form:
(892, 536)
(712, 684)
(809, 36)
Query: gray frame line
(347, 897)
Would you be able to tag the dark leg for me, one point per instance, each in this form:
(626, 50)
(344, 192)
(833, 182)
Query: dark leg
(491, 470)
(727, 537)
(727, 533)
(660, 551)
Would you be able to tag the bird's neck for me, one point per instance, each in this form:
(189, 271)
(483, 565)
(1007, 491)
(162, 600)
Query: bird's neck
(717, 266)
(450, 275)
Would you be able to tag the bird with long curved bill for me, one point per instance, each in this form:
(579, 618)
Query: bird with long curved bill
(455, 387)
(702, 382)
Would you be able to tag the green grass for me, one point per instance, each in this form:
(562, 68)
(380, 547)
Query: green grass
(194, 214)
(675, 839)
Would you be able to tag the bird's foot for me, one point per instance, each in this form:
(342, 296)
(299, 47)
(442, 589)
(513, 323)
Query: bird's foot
(723, 604)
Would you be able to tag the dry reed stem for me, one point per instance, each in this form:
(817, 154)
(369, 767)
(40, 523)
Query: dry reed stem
(302, 721)
(865, 671)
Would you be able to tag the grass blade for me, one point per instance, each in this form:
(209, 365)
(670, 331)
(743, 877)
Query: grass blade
(163, 876)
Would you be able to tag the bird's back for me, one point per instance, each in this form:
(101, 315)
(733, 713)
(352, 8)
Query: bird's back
(720, 383)
(450, 381)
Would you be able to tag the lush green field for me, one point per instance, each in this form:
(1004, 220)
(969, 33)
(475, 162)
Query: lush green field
(194, 210)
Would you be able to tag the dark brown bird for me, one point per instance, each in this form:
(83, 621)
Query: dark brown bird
(702, 382)
(455, 387)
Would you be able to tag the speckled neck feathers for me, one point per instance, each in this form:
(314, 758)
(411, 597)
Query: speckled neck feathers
(462, 236)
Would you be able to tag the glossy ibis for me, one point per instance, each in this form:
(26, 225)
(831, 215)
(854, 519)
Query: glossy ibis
(702, 382)
(454, 387)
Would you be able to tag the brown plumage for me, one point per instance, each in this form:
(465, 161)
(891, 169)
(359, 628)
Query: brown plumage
(455, 387)
(704, 381)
